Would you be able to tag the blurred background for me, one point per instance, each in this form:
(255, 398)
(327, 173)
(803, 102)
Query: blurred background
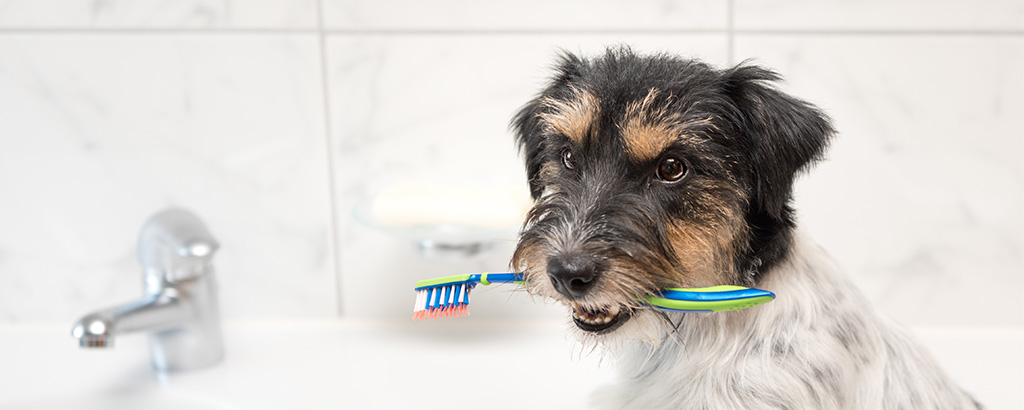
(275, 120)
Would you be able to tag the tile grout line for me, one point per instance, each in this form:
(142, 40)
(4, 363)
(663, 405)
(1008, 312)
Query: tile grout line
(335, 257)
(730, 30)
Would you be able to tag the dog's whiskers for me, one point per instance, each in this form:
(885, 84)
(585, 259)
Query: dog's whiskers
(673, 326)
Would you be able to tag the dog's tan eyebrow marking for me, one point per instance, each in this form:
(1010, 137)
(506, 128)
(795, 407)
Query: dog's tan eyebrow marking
(648, 129)
(645, 142)
(576, 118)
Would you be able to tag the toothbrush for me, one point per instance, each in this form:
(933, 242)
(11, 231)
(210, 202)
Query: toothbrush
(449, 296)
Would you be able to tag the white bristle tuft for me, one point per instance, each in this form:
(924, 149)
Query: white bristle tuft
(442, 302)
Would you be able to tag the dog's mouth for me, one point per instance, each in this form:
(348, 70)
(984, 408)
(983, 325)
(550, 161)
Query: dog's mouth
(599, 320)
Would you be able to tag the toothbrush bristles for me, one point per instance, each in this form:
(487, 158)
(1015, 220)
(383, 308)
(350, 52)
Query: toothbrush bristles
(443, 301)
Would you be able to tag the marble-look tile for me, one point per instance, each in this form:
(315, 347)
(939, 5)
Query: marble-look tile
(437, 108)
(158, 14)
(885, 15)
(921, 196)
(546, 15)
(101, 131)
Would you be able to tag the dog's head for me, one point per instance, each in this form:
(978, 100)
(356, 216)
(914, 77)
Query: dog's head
(650, 172)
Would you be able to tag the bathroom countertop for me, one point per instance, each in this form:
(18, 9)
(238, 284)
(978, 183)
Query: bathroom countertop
(346, 364)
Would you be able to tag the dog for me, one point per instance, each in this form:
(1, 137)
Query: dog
(654, 171)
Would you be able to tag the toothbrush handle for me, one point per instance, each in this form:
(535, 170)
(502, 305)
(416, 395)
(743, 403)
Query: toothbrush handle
(487, 278)
(710, 299)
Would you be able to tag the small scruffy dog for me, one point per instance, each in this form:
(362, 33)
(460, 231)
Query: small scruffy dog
(652, 172)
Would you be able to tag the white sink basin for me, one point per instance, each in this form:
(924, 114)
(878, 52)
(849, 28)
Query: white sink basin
(150, 400)
(310, 365)
(336, 364)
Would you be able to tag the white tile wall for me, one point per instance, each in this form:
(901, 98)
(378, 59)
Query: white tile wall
(102, 130)
(526, 15)
(112, 110)
(889, 16)
(158, 14)
(272, 118)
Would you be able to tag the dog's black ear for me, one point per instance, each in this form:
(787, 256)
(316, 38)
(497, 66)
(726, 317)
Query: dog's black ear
(783, 135)
(531, 143)
(530, 132)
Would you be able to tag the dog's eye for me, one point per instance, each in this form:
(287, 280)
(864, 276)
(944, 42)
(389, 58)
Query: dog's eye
(567, 159)
(672, 169)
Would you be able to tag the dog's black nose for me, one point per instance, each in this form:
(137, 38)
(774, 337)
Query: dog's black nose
(572, 275)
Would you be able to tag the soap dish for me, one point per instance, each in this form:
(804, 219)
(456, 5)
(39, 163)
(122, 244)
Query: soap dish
(451, 221)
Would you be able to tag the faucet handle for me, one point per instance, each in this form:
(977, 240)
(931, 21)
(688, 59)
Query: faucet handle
(175, 245)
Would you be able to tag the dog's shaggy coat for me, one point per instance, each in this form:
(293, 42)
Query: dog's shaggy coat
(651, 172)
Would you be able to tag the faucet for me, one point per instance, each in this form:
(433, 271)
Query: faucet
(179, 307)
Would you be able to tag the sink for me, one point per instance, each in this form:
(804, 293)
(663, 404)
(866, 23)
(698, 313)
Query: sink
(349, 364)
(311, 364)
(155, 400)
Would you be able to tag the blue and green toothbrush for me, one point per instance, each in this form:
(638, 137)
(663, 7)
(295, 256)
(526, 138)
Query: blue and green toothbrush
(449, 296)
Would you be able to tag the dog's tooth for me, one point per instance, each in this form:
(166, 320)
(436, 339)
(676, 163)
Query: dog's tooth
(613, 310)
(595, 316)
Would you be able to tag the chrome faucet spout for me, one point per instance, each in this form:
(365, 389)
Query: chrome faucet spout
(151, 313)
(179, 308)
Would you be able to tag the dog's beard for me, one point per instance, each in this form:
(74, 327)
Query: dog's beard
(609, 316)
(601, 312)
(645, 325)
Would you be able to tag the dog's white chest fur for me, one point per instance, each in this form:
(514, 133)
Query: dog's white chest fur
(819, 345)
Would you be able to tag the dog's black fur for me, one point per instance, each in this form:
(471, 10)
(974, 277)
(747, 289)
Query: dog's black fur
(652, 172)
(759, 139)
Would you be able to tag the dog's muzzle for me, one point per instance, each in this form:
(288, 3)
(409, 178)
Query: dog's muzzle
(574, 276)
